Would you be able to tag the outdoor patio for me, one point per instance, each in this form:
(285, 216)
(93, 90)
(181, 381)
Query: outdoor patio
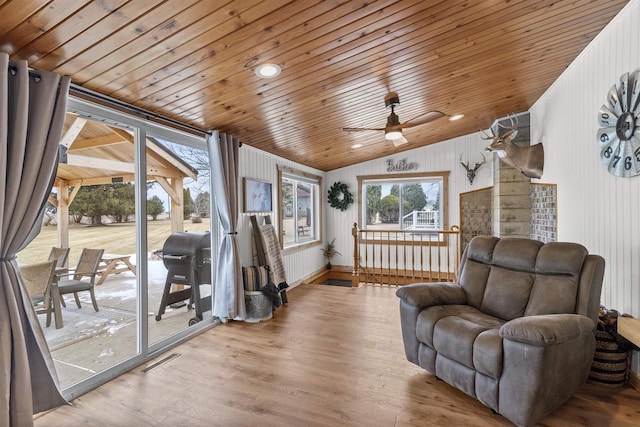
(91, 341)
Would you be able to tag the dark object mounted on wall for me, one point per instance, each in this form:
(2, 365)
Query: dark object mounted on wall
(527, 159)
(62, 154)
(618, 133)
(471, 172)
(339, 196)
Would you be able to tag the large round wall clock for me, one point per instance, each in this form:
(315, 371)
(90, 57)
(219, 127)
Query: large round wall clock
(619, 133)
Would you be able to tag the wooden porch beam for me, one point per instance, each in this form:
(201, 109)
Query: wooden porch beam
(98, 141)
(122, 133)
(73, 194)
(177, 213)
(161, 154)
(63, 214)
(73, 132)
(115, 165)
(100, 180)
(175, 197)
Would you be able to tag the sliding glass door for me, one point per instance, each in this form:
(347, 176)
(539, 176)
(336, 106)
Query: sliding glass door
(125, 186)
(178, 236)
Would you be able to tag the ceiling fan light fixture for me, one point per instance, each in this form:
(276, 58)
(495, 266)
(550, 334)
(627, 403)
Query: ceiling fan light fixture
(393, 134)
(456, 117)
(268, 70)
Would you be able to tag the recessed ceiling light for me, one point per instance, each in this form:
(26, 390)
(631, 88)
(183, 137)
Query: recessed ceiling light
(356, 146)
(456, 117)
(268, 70)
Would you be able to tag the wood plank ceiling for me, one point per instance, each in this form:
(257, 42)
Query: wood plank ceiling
(194, 61)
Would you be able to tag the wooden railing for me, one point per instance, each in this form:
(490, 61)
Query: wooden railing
(420, 220)
(402, 257)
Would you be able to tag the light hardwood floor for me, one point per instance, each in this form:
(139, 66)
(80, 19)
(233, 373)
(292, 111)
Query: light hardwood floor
(332, 357)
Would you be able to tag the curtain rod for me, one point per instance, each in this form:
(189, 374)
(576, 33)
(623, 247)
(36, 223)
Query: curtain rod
(104, 99)
(13, 70)
(93, 95)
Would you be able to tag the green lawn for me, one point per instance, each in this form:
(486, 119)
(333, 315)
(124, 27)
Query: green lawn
(113, 238)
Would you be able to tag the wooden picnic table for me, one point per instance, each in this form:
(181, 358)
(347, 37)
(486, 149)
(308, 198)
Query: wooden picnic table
(114, 264)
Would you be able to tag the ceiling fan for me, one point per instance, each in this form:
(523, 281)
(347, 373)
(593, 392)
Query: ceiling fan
(393, 129)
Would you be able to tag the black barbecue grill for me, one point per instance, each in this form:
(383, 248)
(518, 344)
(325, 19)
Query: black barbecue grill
(187, 257)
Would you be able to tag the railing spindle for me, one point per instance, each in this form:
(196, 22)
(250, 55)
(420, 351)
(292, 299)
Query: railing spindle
(432, 266)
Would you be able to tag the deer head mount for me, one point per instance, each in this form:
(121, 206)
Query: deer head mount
(528, 159)
(471, 172)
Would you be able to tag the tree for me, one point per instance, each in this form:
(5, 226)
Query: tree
(374, 195)
(95, 201)
(196, 158)
(121, 202)
(414, 194)
(91, 201)
(390, 209)
(287, 199)
(187, 203)
(203, 204)
(434, 190)
(155, 207)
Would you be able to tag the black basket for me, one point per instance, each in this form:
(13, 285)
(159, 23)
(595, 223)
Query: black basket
(610, 367)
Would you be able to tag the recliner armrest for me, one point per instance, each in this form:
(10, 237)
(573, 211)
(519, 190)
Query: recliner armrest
(427, 294)
(548, 329)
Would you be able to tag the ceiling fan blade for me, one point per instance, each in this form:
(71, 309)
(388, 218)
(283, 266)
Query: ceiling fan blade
(361, 129)
(423, 118)
(400, 141)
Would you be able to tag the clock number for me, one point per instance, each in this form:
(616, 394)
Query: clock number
(616, 159)
(618, 136)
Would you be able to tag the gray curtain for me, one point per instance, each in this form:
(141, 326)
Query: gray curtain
(32, 109)
(228, 302)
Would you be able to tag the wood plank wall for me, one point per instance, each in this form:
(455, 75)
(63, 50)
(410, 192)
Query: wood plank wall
(443, 156)
(594, 207)
(259, 164)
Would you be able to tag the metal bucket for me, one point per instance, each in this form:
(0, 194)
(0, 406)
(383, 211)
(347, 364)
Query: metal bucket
(259, 307)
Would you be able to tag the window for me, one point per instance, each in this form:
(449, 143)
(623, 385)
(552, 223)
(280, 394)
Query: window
(403, 202)
(299, 202)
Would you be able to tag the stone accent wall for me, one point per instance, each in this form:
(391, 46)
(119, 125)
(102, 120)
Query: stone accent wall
(514, 206)
(511, 189)
(544, 221)
(475, 214)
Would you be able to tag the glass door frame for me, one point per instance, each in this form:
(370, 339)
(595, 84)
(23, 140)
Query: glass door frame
(140, 127)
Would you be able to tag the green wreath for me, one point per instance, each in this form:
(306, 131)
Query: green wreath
(339, 196)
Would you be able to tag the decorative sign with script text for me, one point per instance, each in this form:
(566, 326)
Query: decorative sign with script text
(401, 166)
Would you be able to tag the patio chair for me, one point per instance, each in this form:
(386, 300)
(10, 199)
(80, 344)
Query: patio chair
(38, 279)
(87, 268)
(60, 256)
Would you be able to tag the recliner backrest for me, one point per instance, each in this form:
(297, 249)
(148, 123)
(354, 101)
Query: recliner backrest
(513, 277)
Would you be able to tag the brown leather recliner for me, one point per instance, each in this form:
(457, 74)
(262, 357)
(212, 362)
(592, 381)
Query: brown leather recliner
(515, 331)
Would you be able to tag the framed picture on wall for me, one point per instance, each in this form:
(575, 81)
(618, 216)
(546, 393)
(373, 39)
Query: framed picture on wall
(257, 195)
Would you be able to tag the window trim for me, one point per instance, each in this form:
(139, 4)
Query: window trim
(305, 176)
(388, 177)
